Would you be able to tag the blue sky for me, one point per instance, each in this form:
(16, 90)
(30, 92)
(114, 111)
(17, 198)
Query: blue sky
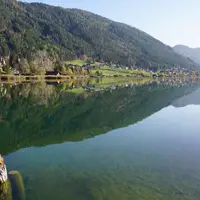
(171, 21)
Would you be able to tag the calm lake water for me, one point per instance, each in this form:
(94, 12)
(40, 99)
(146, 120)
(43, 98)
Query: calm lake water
(132, 142)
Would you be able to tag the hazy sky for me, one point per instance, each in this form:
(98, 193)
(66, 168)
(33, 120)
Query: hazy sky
(171, 21)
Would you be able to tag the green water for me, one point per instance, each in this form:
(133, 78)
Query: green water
(137, 142)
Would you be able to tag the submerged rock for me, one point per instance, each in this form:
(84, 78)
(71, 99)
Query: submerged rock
(17, 184)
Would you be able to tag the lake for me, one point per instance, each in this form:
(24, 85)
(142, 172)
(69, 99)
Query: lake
(129, 141)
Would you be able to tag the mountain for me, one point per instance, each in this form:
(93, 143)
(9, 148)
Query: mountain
(28, 28)
(192, 53)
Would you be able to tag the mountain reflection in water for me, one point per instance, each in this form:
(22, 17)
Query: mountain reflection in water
(42, 114)
(114, 141)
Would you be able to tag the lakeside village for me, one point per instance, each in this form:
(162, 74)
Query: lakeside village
(51, 69)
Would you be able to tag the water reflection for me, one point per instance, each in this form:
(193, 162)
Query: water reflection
(52, 134)
(40, 114)
(188, 99)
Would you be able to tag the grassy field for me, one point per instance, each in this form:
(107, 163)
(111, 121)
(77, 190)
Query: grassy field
(76, 62)
(107, 71)
(80, 62)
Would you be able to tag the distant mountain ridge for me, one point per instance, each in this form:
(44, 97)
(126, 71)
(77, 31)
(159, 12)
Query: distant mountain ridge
(192, 53)
(188, 99)
(27, 28)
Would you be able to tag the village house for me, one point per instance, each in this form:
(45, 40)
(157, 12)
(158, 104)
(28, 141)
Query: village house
(70, 65)
(53, 73)
(87, 67)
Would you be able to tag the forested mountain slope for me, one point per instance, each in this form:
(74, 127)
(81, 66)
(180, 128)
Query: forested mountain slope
(70, 33)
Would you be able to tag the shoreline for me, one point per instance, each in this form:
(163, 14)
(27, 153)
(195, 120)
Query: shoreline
(7, 77)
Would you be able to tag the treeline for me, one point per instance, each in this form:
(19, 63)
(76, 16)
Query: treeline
(69, 34)
(41, 63)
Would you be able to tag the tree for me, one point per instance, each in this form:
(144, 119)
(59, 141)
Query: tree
(24, 66)
(98, 73)
(7, 69)
(88, 61)
(63, 69)
(58, 65)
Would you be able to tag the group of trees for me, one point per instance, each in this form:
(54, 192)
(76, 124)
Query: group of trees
(68, 34)
(40, 63)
